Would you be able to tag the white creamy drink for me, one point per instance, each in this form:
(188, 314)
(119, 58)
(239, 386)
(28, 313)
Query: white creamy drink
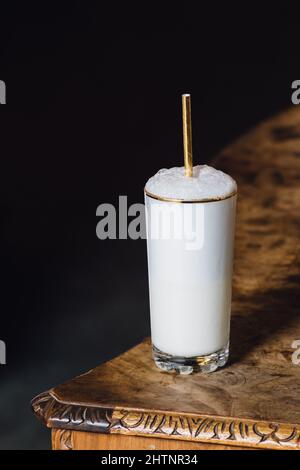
(190, 237)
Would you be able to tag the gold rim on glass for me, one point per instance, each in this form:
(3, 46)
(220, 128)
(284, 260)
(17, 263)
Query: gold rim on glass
(184, 201)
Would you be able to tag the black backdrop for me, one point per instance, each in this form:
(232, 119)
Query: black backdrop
(93, 110)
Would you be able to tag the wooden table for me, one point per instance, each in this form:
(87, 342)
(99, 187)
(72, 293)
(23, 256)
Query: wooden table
(255, 400)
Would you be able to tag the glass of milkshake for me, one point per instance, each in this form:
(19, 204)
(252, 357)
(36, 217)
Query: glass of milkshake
(190, 219)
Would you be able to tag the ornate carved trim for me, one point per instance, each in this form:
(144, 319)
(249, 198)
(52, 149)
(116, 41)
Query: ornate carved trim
(223, 430)
(57, 414)
(62, 439)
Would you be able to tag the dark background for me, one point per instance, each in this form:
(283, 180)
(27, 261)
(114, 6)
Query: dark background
(93, 110)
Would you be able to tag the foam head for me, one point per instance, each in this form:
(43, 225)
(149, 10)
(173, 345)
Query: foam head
(206, 183)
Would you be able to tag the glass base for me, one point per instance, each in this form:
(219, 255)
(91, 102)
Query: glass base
(190, 365)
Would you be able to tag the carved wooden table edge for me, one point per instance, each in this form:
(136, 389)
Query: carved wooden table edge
(230, 431)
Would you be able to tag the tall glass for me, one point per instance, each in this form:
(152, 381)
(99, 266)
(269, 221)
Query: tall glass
(190, 257)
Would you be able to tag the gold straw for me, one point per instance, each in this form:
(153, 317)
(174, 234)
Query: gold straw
(187, 135)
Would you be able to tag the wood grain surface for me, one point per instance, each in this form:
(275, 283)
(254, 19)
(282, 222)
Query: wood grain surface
(255, 400)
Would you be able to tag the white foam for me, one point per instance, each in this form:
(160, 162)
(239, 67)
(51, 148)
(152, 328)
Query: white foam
(206, 183)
